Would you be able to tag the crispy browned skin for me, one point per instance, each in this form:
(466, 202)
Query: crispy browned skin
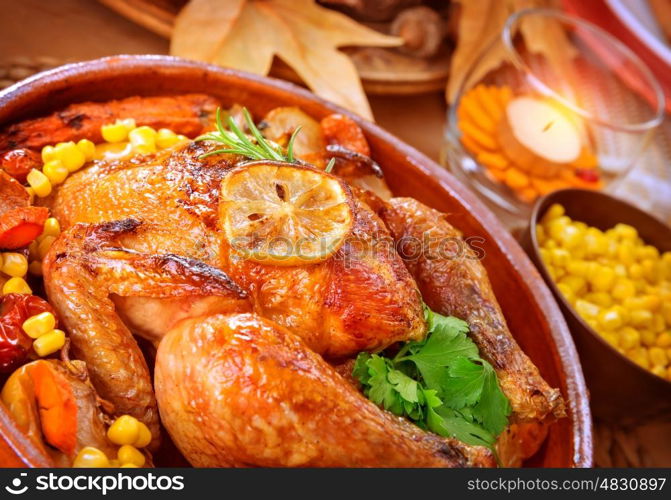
(357, 300)
(185, 114)
(84, 268)
(238, 390)
(347, 304)
(459, 286)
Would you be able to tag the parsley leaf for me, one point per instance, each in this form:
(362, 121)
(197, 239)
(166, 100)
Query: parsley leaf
(464, 385)
(440, 383)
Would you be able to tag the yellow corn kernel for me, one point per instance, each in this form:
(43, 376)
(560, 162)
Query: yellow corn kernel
(611, 338)
(657, 356)
(640, 318)
(39, 182)
(555, 211)
(14, 264)
(541, 237)
(587, 309)
(648, 337)
(129, 123)
(664, 340)
(602, 299)
(44, 246)
(575, 283)
(49, 343)
(659, 370)
(55, 171)
(572, 236)
(48, 154)
(16, 285)
(128, 454)
(166, 138)
(625, 232)
(116, 132)
(182, 138)
(603, 279)
(550, 244)
(35, 268)
(610, 319)
(124, 430)
(567, 292)
(545, 255)
(31, 195)
(560, 257)
(129, 466)
(668, 373)
(557, 226)
(626, 254)
(87, 148)
(39, 325)
(143, 437)
(595, 242)
(143, 139)
(578, 268)
(620, 270)
(658, 323)
(629, 338)
(635, 271)
(51, 227)
(623, 289)
(90, 457)
(70, 155)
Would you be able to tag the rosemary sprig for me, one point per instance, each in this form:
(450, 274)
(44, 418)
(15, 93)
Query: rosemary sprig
(237, 142)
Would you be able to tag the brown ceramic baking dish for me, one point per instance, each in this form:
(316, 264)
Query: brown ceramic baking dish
(620, 389)
(532, 314)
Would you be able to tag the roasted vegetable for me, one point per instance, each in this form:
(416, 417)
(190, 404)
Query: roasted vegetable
(15, 345)
(55, 406)
(20, 226)
(186, 114)
(18, 162)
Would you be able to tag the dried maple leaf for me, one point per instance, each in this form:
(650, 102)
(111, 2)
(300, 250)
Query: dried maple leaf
(301, 33)
(201, 26)
(480, 23)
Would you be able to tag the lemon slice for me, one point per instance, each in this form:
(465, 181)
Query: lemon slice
(285, 214)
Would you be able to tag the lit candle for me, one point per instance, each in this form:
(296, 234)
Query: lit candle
(539, 136)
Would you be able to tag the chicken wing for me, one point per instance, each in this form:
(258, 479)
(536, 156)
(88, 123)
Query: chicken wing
(84, 268)
(238, 390)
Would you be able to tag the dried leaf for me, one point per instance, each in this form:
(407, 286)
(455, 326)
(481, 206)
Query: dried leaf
(201, 27)
(480, 23)
(306, 37)
(546, 37)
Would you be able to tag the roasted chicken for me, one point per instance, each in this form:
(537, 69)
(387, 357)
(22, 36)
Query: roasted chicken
(248, 354)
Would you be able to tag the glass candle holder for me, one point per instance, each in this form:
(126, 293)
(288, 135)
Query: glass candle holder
(577, 114)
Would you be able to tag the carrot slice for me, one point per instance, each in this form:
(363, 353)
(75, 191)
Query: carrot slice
(57, 407)
(20, 226)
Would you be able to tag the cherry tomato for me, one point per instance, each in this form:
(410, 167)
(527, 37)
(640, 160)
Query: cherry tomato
(18, 162)
(15, 345)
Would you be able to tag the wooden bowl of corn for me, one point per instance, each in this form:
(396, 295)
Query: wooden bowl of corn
(609, 265)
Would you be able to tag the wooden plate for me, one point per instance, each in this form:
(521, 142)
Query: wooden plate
(531, 312)
(382, 71)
